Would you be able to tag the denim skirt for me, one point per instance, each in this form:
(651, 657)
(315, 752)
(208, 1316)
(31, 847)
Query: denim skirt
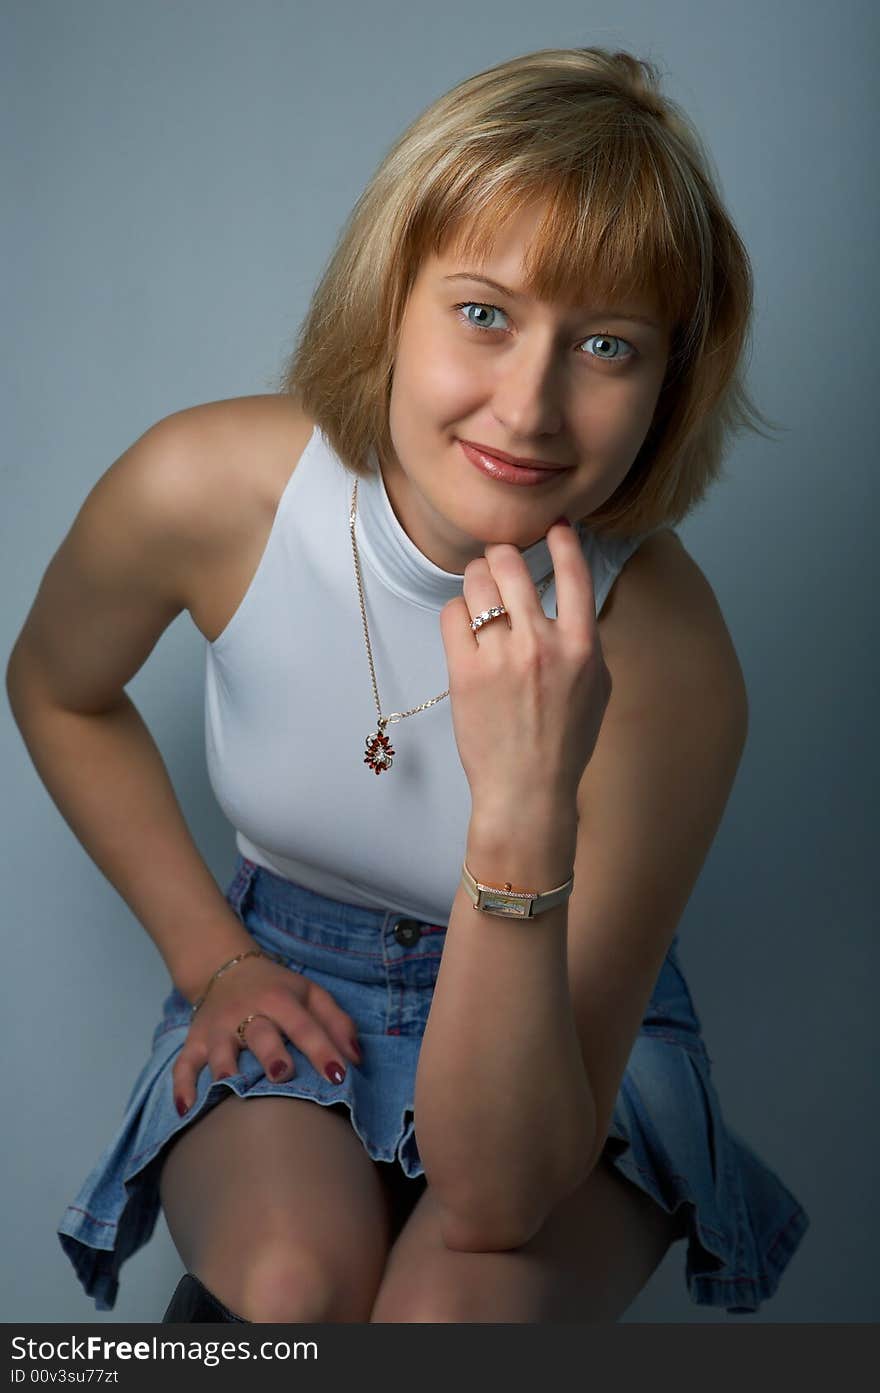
(668, 1136)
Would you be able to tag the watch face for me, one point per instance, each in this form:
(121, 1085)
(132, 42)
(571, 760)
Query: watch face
(496, 902)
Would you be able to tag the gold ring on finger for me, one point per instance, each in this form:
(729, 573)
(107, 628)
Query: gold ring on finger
(487, 614)
(242, 1026)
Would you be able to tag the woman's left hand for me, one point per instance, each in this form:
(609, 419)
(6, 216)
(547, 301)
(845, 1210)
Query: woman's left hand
(528, 693)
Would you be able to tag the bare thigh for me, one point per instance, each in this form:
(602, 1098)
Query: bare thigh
(276, 1206)
(587, 1264)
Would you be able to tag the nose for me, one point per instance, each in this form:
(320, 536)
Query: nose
(528, 391)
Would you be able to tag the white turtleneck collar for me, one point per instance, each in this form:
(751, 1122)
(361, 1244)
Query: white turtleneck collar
(393, 556)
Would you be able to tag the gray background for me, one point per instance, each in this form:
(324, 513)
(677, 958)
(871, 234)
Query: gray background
(175, 177)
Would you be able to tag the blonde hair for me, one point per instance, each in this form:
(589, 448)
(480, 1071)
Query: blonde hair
(632, 208)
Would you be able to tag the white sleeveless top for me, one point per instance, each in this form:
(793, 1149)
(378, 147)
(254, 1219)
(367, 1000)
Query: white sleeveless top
(289, 700)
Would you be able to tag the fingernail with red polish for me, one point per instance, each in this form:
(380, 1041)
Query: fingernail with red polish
(355, 1048)
(180, 1105)
(335, 1072)
(565, 520)
(277, 1069)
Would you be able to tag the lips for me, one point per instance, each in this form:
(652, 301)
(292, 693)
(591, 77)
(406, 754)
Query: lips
(520, 475)
(512, 459)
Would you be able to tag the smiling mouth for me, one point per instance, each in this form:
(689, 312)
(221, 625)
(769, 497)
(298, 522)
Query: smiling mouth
(517, 460)
(509, 475)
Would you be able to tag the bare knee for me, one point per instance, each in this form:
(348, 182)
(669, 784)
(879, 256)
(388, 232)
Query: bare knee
(284, 1284)
(308, 1241)
(289, 1284)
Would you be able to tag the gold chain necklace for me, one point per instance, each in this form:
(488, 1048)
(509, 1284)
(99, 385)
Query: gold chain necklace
(379, 751)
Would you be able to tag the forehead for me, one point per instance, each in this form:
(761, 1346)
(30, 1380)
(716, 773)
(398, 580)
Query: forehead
(529, 260)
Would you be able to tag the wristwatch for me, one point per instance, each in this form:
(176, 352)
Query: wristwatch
(513, 904)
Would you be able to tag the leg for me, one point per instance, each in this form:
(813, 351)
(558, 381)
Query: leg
(276, 1207)
(402, 1191)
(586, 1265)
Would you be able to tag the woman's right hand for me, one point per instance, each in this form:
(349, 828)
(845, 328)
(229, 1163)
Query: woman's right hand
(296, 1008)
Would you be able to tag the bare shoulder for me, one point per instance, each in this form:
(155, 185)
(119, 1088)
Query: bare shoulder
(662, 603)
(242, 452)
(177, 522)
(678, 692)
(237, 452)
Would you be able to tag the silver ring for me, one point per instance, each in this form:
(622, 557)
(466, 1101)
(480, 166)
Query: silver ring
(488, 614)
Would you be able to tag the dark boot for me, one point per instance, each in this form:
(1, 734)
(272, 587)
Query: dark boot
(192, 1303)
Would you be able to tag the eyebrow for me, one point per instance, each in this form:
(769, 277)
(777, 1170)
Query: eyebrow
(517, 295)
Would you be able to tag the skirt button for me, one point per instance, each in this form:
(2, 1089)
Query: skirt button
(407, 932)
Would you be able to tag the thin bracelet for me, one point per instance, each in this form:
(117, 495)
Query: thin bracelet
(251, 953)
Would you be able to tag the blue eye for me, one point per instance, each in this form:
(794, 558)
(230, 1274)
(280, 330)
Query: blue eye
(614, 339)
(493, 309)
(475, 304)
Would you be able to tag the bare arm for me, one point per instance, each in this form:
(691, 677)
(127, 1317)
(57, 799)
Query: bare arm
(532, 1024)
(505, 1116)
(116, 582)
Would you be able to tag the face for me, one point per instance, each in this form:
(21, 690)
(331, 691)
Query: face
(566, 386)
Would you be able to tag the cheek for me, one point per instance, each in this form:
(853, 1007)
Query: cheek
(437, 381)
(621, 417)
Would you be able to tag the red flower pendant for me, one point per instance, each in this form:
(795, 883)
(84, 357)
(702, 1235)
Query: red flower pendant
(379, 752)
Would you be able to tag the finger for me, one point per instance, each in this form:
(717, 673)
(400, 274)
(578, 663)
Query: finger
(575, 596)
(223, 1058)
(264, 1038)
(518, 592)
(338, 1024)
(458, 640)
(481, 594)
(301, 1025)
(187, 1067)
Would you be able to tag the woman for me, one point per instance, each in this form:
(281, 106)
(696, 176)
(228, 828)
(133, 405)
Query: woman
(535, 317)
